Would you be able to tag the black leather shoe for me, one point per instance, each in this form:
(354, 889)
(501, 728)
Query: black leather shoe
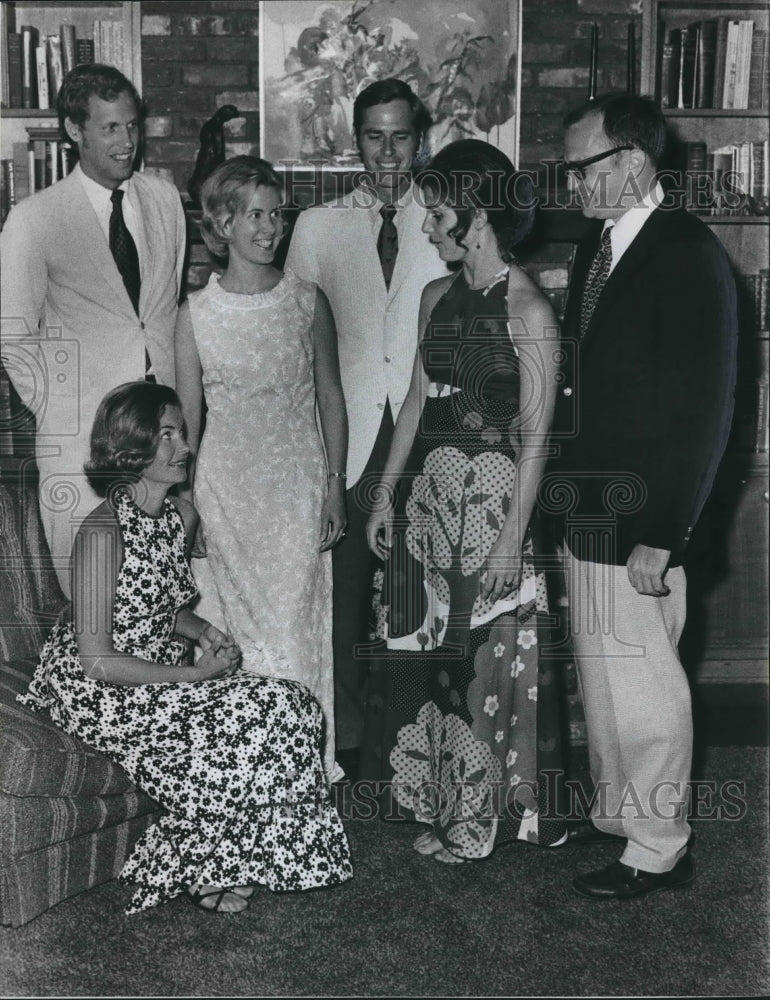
(584, 832)
(618, 881)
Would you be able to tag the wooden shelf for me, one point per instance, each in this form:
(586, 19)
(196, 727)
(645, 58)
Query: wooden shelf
(27, 113)
(716, 112)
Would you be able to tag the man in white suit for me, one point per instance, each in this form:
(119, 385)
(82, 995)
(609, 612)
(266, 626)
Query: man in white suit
(368, 254)
(90, 286)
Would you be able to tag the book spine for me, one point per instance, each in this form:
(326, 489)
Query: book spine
(7, 189)
(704, 84)
(764, 300)
(38, 150)
(758, 82)
(28, 67)
(719, 63)
(687, 67)
(666, 57)
(68, 47)
(41, 61)
(731, 65)
(21, 169)
(64, 154)
(52, 161)
(84, 51)
(743, 64)
(55, 67)
(14, 69)
(5, 82)
(31, 168)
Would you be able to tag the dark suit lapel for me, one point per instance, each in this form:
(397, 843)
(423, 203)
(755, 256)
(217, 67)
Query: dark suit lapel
(643, 245)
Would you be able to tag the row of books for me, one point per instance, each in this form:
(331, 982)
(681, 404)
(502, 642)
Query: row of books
(35, 165)
(719, 63)
(34, 65)
(731, 180)
(751, 414)
(756, 297)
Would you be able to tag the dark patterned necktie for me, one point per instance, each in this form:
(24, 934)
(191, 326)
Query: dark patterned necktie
(387, 242)
(127, 260)
(598, 273)
(124, 250)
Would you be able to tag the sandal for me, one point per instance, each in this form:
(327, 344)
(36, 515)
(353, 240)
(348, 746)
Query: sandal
(197, 897)
(446, 857)
(427, 843)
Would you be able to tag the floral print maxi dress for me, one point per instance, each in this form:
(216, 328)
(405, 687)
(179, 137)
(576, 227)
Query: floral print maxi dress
(462, 717)
(235, 761)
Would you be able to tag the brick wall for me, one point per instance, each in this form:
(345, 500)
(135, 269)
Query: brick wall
(197, 56)
(555, 60)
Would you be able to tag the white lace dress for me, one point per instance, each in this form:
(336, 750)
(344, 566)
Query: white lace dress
(260, 482)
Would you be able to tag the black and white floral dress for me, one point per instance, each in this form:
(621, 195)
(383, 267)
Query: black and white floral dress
(236, 761)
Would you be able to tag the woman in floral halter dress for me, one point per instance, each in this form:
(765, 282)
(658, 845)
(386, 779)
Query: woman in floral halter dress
(462, 720)
(233, 757)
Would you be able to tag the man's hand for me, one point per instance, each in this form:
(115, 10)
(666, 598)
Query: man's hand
(646, 570)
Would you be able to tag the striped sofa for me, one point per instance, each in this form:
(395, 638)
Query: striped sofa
(68, 816)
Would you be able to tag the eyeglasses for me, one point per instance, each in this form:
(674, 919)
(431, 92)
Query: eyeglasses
(578, 166)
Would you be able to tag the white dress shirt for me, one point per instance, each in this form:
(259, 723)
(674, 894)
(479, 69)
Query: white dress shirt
(628, 226)
(100, 196)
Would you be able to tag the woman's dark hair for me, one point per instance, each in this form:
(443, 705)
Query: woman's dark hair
(227, 191)
(627, 120)
(83, 82)
(125, 434)
(385, 91)
(469, 175)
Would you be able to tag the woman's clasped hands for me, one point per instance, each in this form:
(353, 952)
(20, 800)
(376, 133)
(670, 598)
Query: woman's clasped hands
(220, 656)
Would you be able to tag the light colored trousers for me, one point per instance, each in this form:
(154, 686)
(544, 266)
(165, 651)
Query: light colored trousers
(637, 706)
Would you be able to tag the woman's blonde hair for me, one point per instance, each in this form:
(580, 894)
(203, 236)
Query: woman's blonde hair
(224, 193)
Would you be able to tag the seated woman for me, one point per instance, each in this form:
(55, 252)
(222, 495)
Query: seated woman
(232, 756)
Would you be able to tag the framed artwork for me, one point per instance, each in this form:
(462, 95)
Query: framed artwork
(462, 57)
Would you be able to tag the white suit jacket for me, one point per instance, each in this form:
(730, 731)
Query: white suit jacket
(70, 333)
(333, 246)
(62, 289)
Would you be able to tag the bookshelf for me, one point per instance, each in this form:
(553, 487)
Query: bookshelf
(32, 154)
(716, 105)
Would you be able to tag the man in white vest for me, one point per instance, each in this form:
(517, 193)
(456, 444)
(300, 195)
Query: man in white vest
(368, 253)
(91, 272)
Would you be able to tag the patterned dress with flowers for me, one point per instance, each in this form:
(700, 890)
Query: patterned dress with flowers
(235, 761)
(462, 716)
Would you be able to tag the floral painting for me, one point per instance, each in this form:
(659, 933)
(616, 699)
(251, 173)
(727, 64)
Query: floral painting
(460, 56)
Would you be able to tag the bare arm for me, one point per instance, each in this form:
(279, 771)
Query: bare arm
(96, 559)
(535, 336)
(189, 384)
(379, 526)
(333, 417)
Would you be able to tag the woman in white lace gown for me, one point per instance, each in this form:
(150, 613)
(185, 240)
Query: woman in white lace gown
(260, 347)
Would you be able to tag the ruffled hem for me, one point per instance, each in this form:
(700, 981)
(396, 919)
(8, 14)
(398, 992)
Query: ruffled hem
(294, 848)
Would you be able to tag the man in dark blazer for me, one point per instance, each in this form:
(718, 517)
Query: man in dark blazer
(640, 429)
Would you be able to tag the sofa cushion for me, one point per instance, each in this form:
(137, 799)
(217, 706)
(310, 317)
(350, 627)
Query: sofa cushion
(32, 822)
(33, 883)
(37, 758)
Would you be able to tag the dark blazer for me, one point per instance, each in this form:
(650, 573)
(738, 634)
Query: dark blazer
(646, 404)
